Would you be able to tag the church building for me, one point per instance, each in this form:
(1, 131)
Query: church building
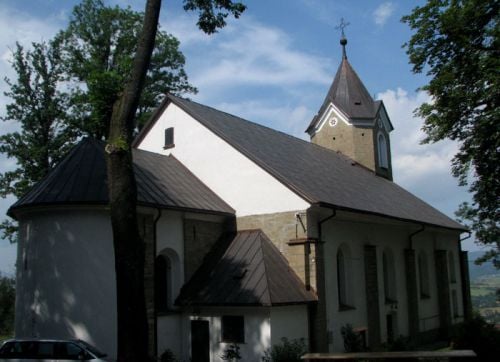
(251, 236)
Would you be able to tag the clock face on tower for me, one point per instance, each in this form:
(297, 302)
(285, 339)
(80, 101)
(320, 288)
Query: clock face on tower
(333, 121)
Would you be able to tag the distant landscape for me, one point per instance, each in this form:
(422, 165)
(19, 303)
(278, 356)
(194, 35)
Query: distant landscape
(485, 284)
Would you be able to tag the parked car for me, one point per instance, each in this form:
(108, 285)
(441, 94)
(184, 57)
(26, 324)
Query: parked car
(24, 350)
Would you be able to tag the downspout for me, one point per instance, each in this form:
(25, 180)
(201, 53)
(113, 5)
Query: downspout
(318, 329)
(413, 234)
(155, 223)
(465, 278)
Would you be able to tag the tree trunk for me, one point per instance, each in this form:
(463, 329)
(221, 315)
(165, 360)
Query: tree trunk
(128, 246)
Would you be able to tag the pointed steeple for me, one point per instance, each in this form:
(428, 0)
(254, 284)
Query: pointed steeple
(351, 122)
(348, 93)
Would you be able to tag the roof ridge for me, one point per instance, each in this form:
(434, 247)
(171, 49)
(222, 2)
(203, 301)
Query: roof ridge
(264, 262)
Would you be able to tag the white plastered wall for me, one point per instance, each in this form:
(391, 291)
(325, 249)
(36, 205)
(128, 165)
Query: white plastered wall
(289, 322)
(395, 238)
(236, 179)
(65, 277)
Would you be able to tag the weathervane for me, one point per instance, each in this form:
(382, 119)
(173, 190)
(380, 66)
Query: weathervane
(343, 40)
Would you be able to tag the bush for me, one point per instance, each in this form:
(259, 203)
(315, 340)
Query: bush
(288, 351)
(353, 341)
(168, 356)
(7, 303)
(479, 336)
(231, 353)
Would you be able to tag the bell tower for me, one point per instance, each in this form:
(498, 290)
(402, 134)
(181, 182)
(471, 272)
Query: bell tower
(351, 122)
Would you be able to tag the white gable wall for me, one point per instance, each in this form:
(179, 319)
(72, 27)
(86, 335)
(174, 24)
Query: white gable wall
(236, 179)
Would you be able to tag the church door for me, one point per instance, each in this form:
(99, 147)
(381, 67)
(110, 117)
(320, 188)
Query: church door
(200, 341)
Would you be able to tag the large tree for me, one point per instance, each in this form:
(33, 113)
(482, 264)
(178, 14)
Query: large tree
(67, 87)
(457, 44)
(41, 108)
(98, 50)
(128, 246)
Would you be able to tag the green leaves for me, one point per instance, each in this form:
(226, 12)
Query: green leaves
(457, 43)
(213, 13)
(98, 48)
(41, 107)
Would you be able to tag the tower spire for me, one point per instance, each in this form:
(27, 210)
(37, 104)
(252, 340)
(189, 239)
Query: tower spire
(343, 40)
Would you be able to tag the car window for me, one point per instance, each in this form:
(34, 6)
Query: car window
(19, 349)
(70, 351)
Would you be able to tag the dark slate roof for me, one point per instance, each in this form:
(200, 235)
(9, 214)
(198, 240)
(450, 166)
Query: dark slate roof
(162, 181)
(251, 271)
(349, 94)
(317, 174)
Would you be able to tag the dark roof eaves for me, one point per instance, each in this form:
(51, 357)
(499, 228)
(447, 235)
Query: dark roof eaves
(13, 210)
(412, 221)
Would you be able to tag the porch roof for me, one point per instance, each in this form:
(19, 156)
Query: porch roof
(251, 272)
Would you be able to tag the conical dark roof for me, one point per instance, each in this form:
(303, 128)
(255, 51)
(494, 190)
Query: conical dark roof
(81, 179)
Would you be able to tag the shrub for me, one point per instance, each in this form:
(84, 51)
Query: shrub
(168, 356)
(287, 351)
(231, 353)
(353, 341)
(479, 336)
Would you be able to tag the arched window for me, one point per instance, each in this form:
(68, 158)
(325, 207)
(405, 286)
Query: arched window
(343, 275)
(383, 157)
(389, 272)
(451, 267)
(162, 283)
(423, 274)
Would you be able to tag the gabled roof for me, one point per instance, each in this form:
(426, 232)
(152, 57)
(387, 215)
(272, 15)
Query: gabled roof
(251, 272)
(317, 174)
(162, 181)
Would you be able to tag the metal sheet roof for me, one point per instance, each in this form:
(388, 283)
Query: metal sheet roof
(251, 271)
(162, 181)
(317, 174)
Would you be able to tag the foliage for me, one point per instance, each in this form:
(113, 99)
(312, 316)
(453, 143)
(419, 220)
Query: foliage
(481, 337)
(7, 304)
(99, 46)
(231, 353)
(213, 13)
(353, 341)
(287, 351)
(41, 107)
(457, 44)
(168, 356)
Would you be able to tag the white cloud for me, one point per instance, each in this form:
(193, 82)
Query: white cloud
(425, 170)
(383, 12)
(250, 53)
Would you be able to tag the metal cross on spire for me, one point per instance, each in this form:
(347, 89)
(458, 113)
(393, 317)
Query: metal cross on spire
(343, 41)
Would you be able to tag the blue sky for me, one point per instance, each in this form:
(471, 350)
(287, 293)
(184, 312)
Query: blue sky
(274, 66)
